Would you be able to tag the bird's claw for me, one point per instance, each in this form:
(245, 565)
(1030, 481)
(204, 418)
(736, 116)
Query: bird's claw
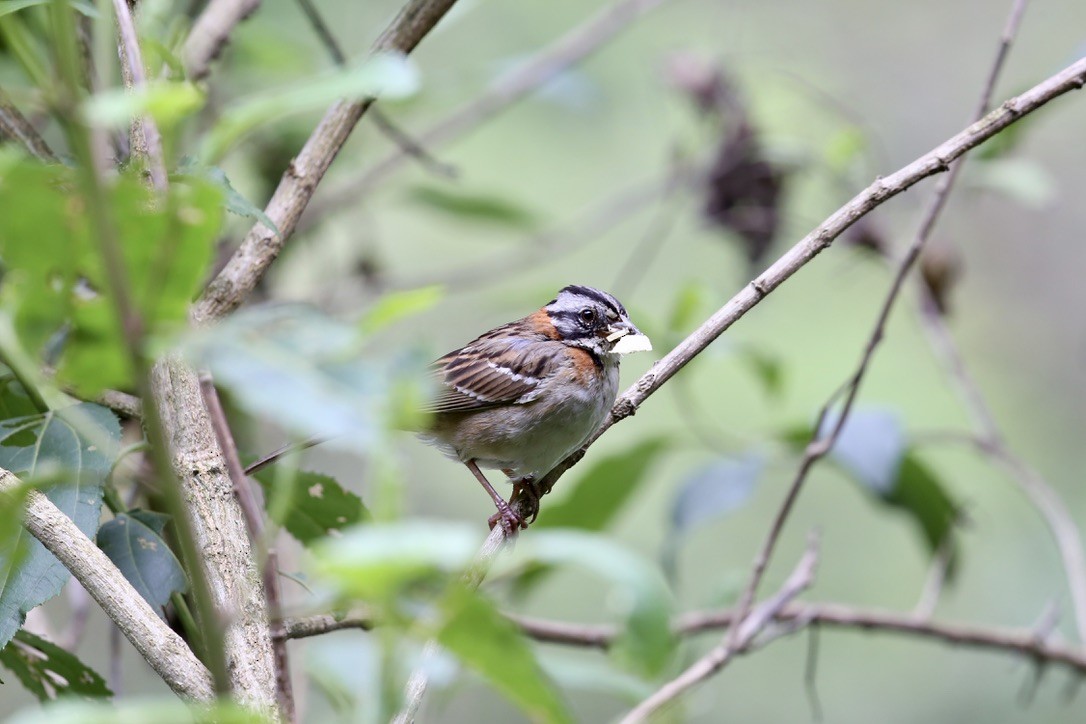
(507, 518)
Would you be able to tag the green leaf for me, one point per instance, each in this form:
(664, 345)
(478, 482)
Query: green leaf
(474, 630)
(389, 76)
(56, 286)
(48, 671)
(684, 309)
(134, 543)
(309, 373)
(395, 306)
(75, 447)
(318, 505)
(13, 6)
(379, 560)
(1022, 180)
(869, 447)
(233, 200)
(601, 492)
(14, 401)
(159, 711)
(920, 494)
(766, 368)
(643, 599)
(710, 492)
(713, 490)
(594, 674)
(167, 102)
(485, 208)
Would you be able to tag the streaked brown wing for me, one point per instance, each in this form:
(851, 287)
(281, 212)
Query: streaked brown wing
(493, 372)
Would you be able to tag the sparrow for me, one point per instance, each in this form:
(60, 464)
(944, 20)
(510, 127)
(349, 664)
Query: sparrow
(523, 396)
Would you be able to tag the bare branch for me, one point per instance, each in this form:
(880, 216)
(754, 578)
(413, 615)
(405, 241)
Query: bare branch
(566, 51)
(254, 521)
(163, 649)
(746, 628)
(122, 403)
(1024, 642)
(147, 141)
(935, 161)
(261, 246)
(15, 126)
(210, 33)
(821, 443)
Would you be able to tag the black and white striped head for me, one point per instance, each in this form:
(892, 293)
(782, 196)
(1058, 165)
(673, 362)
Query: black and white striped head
(589, 318)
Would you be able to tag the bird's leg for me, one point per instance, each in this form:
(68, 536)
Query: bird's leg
(527, 486)
(509, 520)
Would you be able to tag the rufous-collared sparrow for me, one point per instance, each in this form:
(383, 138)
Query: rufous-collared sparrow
(524, 395)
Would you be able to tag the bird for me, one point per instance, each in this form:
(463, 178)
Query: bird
(523, 396)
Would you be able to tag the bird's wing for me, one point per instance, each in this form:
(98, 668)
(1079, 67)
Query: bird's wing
(494, 371)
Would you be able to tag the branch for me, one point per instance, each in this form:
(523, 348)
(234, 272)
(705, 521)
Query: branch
(15, 126)
(566, 51)
(147, 141)
(820, 444)
(163, 649)
(254, 522)
(747, 629)
(210, 33)
(935, 161)
(261, 245)
(1023, 642)
(124, 404)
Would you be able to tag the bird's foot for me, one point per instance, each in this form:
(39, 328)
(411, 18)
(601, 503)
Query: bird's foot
(526, 487)
(507, 518)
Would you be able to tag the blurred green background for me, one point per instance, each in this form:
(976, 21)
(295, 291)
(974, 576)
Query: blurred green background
(840, 91)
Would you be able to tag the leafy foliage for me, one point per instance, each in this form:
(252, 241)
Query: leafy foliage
(56, 282)
(69, 454)
(326, 383)
(48, 671)
(603, 489)
(474, 630)
(315, 506)
(133, 541)
(872, 449)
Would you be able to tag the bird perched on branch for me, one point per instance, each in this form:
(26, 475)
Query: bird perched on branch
(524, 395)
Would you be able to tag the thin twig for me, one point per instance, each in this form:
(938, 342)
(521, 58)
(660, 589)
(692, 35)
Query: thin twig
(821, 443)
(989, 439)
(935, 161)
(408, 145)
(14, 125)
(747, 629)
(210, 33)
(1021, 642)
(145, 128)
(274, 456)
(254, 520)
(122, 403)
(262, 245)
(566, 51)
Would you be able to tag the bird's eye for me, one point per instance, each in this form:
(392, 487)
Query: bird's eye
(588, 315)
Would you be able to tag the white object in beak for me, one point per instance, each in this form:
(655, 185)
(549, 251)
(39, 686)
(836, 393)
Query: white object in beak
(631, 343)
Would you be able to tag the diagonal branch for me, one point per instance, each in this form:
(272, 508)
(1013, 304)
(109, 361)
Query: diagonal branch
(210, 33)
(163, 649)
(15, 126)
(746, 628)
(935, 161)
(147, 141)
(564, 52)
(262, 245)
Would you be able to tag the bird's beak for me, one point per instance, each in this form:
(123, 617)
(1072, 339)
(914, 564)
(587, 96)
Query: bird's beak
(627, 338)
